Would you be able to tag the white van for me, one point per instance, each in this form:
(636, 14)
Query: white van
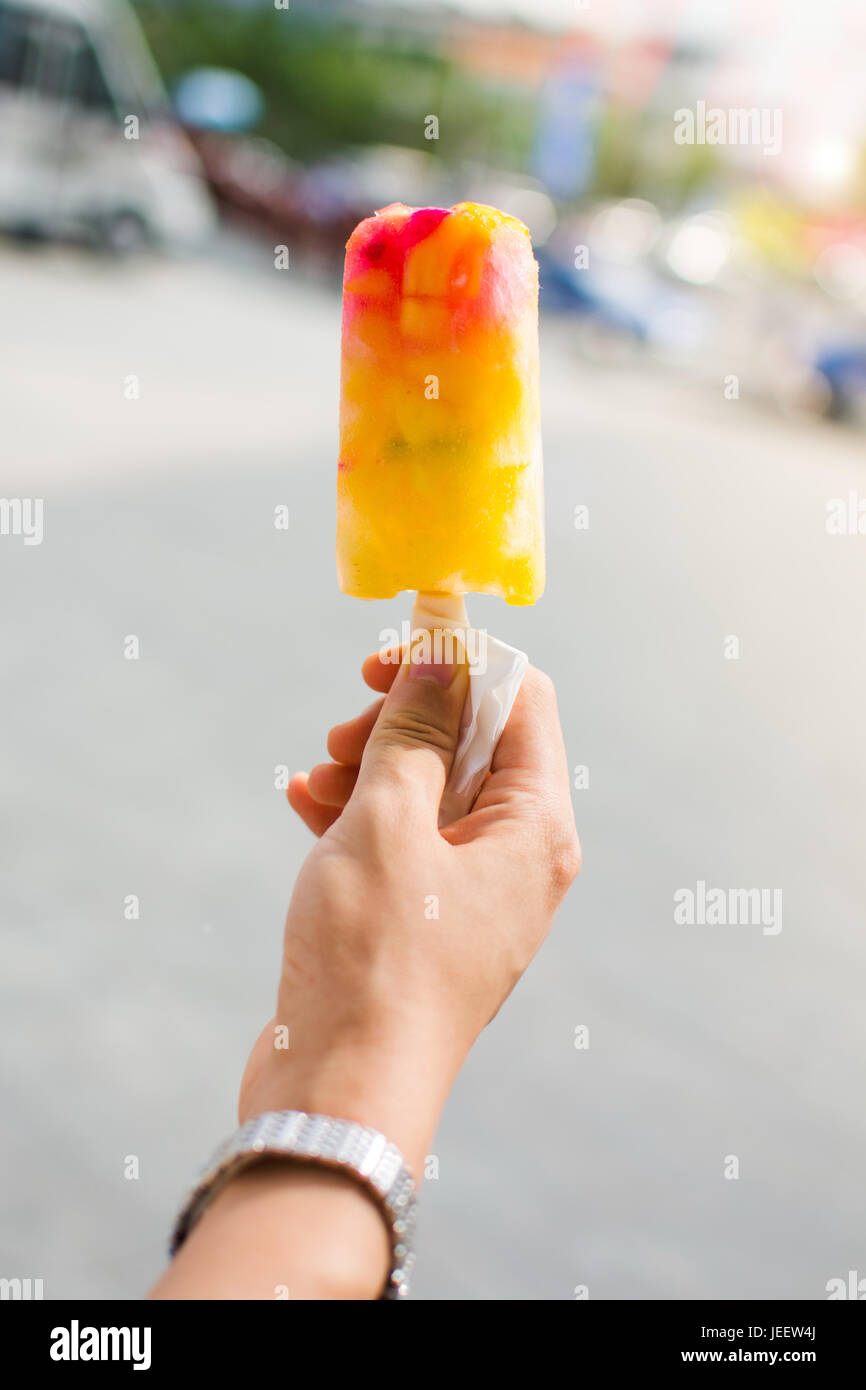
(72, 162)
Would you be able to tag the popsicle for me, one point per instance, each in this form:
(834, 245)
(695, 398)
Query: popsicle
(439, 482)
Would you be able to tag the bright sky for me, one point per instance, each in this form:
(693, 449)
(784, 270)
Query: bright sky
(802, 20)
(805, 53)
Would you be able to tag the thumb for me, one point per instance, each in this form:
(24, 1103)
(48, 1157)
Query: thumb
(410, 751)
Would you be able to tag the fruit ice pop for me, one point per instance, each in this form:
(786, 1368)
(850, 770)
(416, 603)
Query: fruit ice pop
(439, 482)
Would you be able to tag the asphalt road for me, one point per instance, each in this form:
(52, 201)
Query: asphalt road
(559, 1167)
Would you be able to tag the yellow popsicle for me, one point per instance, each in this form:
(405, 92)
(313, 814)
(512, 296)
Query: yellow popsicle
(439, 482)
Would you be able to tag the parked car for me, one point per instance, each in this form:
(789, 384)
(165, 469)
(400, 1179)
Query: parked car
(844, 371)
(312, 209)
(89, 146)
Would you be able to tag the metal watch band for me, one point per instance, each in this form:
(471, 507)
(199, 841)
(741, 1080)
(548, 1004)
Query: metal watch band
(362, 1153)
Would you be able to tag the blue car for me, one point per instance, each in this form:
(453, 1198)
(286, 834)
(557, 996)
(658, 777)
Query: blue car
(844, 370)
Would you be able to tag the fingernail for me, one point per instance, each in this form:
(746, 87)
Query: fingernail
(441, 672)
(436, 657)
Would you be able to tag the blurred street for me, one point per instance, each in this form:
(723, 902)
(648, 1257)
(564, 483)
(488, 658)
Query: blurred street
(558, 1167)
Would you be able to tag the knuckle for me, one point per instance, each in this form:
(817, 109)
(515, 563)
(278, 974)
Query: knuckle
(565, 862)
(557, 844)
(417, 728)
(389, 819)
(564, 855)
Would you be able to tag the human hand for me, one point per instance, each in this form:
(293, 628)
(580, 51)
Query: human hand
(402, 940)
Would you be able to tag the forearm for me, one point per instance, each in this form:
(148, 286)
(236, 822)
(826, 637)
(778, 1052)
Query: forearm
(281, 1225)
(283, 1229)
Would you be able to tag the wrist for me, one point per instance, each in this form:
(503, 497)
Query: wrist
(382, 1089)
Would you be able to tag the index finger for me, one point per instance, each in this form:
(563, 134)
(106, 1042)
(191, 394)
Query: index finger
(531, 741)
(529, 773)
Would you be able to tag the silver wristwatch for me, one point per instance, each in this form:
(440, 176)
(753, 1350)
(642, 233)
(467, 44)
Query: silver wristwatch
(363, 1154)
